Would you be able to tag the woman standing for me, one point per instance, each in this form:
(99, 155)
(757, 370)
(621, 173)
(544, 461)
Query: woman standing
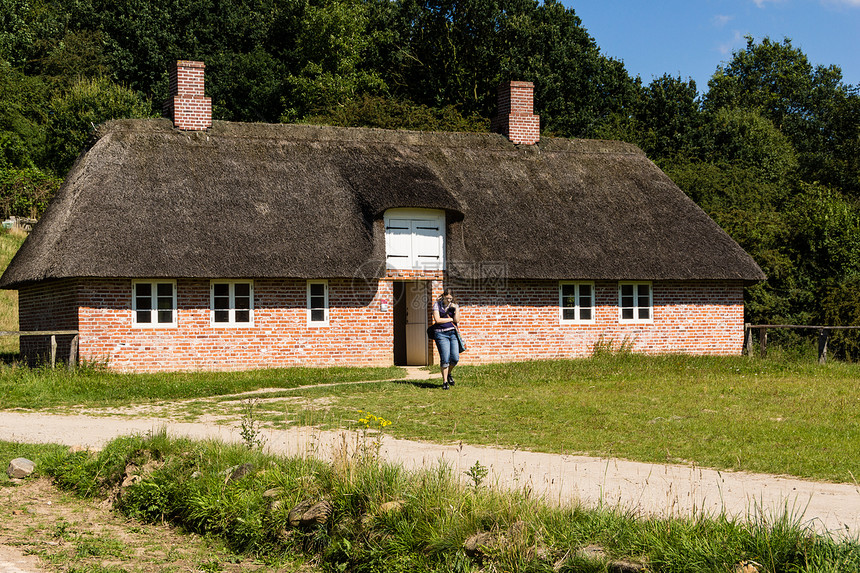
(445, 318)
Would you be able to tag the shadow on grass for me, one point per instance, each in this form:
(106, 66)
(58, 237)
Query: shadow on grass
(420, 383)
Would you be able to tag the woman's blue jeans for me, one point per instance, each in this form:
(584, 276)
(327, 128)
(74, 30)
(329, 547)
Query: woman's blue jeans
(448, 347)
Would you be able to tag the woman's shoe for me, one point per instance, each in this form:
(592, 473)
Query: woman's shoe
(450, 380)
(444, 386)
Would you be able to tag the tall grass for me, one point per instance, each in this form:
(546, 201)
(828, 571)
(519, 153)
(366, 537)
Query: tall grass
(425, 529)
(10, 242)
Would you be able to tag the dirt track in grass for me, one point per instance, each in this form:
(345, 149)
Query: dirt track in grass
(639, 488)
(44, 529)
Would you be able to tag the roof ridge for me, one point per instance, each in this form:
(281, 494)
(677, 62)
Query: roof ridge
(332, 133)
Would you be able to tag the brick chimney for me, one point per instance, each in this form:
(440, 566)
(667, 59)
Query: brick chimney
(189, 109)
(515, 117)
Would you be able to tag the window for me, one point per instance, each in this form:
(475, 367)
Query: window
(635, 302)
(154, 304)
(317, 303)
(414, 239)
(576, 302)
(231, 303)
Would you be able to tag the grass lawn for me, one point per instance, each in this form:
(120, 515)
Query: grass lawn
(43, 388)
(780, 415)
(776, 416)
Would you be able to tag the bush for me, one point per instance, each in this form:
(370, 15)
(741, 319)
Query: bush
(371, 111)
(26, 192)
(841, 307)
(76, 114)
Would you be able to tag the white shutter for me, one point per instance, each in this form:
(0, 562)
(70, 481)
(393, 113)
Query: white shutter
(427, 244)
(415, 239)
(398, 243)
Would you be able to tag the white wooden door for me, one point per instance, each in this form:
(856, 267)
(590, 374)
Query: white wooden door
(416, 323)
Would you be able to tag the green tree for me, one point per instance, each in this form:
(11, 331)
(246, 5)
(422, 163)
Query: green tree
(26, 192)
(245, 87)
(745, 139)
(672, 110)
(825, 235)
(387, 113)
(456, 52)
(809, 104)
(577, 89)
(29, 29)
(79, 54)
(331, 43)
(664, 119)
(22, 103)
(841, 307)
(76, 115)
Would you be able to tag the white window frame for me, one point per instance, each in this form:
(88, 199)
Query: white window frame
(413, 225)
(231, 309)
(325, 308)
(577, 308)
(637, 308)
(153, 303)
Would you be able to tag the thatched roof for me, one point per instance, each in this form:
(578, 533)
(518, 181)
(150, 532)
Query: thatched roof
(255, 200)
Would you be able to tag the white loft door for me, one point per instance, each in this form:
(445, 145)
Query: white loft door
(416, 323)
(415, 239)
(427, 244)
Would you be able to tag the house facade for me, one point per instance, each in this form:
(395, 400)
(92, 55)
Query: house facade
(187, 244)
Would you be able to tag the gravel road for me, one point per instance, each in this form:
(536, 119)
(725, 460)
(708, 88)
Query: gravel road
(640, 488)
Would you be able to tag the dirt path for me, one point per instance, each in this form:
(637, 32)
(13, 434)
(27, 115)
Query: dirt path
(640, 488)
(43, 528)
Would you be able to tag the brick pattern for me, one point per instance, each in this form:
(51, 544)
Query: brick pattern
(187, 106)
(409, 274)
(522, 322)
(515, 115)
(517, 322)
(280, 336)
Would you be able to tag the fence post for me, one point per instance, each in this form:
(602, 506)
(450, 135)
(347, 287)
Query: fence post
(73, 353)
(823, 335)
(748, 339)
(762, 341)
(53, 350)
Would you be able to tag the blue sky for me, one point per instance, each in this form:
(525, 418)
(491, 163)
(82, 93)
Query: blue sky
(691, 39)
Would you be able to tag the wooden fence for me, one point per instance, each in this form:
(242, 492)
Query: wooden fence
(73, 347)
(823, 336)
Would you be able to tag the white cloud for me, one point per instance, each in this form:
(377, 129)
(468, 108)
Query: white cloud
(738, 40)
(761, 3)
(846, 3)
(720, 20)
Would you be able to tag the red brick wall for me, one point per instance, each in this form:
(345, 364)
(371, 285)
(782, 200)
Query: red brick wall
(47, 306)
(358, 332)
(517, 322)
(521, 321)
(189, 109)
(515, 113)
